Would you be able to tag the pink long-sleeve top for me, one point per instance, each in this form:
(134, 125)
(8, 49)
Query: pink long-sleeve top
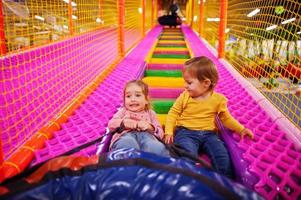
(149, 116)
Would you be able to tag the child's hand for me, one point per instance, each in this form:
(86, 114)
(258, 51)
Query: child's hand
(168, 139)
(247, 132)
(144, 126)
(130, 124)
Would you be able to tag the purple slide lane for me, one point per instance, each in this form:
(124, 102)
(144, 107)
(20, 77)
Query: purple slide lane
(271, 163)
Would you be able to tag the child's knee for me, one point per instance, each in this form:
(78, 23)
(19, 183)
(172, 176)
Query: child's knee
(125, 142)
(156, 147)
(223, 165)
(153, 145)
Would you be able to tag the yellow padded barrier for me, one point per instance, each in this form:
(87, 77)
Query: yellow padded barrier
(170, 49)
(164, 82)
(167, 61)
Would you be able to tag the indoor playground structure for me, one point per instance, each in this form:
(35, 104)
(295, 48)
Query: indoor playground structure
(63, 68)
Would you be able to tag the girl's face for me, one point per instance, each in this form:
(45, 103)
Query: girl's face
(134, 99)
(195, 87)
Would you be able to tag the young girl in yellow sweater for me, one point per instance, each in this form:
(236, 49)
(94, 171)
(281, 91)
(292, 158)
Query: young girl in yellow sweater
(192, 117)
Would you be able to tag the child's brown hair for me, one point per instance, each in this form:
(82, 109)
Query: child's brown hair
(144, 88)
(202, 68)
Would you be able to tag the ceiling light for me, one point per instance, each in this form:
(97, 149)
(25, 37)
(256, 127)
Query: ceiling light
(271, 27)
(72, 3)
(288, 20)
(195, 18)
(21, 24)
(39, 17)
(140, 10)
(254, 12)
(98, 20)
(213, 19)
(36, 27)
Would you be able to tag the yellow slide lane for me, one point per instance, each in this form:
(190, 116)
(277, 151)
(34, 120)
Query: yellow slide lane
(164, 82)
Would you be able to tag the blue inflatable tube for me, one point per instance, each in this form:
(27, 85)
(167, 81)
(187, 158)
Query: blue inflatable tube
(125, 174)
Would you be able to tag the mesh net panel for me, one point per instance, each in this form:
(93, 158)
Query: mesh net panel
(196, 15)
(45, 66)
(267, 51)
(148, 14)
(265, 48)
(211, 22)
(133, 23)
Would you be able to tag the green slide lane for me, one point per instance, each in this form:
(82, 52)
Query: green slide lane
(170, 56)
(162, 107)
(164, 73)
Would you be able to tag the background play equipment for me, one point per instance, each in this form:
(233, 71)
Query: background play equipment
(170, 20)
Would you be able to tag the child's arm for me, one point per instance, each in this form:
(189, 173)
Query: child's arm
(155, 126)
(172, 117)
(248, 133)
(119, 117)
(116, 119)
(229, 122)
(168, 139)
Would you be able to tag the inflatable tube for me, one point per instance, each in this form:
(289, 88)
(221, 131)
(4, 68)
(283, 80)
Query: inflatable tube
(124, 174)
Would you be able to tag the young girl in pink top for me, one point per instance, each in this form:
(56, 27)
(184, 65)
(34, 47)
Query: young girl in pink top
(140, 122)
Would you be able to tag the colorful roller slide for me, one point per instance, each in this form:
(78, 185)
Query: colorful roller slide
(270, 164)
(164, 70)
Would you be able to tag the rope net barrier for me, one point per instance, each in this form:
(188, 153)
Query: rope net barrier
(263, 44)
(50, 52)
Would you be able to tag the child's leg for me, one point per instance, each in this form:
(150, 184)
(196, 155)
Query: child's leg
(128, 140)
(149, 143)
(188, 140)
(218, 154)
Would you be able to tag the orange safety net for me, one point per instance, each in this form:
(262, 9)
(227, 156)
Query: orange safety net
(263, 43)
(133, 23)
(37, 83)
(54, 50)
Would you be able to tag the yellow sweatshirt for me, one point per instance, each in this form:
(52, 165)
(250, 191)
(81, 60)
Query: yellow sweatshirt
(200, 114)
